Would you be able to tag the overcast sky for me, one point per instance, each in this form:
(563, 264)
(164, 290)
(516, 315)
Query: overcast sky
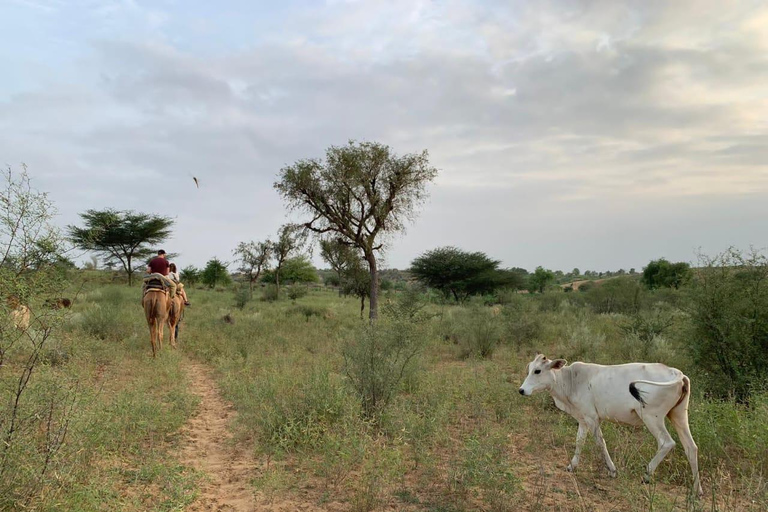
(596, 135)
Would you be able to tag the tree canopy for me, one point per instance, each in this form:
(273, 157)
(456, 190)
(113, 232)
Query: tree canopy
(294, 270)
(358, 193)
(120, 236)
(664, 274)
(461, 274)
(254, 258)
(540, 279)
(214, 273)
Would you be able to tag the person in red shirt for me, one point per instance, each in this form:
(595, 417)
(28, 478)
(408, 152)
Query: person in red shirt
(158, 268)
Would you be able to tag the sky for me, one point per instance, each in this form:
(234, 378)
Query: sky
(589, 134)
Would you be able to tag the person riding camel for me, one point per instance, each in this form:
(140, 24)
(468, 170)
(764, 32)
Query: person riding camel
(173, 275)
(157, 269)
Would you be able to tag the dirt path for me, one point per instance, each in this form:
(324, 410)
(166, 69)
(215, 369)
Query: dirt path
(207, 447)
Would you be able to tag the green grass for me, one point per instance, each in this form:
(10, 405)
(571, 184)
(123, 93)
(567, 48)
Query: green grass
(455, 436)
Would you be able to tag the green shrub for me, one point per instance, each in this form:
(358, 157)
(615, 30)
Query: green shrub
(242, 296)
(479, 332)
(296, 291)
(384, 353)
(270, 293)
(729, 315)
(616, 295)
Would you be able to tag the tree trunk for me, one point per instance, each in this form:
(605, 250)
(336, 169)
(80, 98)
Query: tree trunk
(362, 306)
(130, 272)
(277, 283)
(373, 301)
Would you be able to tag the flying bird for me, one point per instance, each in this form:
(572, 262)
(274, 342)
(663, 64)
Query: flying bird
(197, 184)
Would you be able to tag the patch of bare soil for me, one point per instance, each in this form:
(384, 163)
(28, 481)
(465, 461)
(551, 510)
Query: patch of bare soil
(227, 468)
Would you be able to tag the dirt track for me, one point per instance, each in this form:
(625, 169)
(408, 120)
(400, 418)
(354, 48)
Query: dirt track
(227, 468)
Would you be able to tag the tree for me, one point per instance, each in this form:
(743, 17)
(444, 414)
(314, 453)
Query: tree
(461, 274)
(190, 275)
(215, 272)
(289, 239)
(663, 274)
(575, 272)
(360, 192)
(254, 257)
(540, 279)
(120, 235)
(729, 316)
(294, 270)
(347, 262)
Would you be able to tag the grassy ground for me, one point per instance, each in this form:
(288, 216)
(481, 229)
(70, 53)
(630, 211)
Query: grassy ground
(456, 436)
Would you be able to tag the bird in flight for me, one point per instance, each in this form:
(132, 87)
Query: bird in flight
(196, 182)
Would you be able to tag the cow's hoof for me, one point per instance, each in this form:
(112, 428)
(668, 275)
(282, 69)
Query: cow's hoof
(612, 473)
(569, 468)
(646, 478)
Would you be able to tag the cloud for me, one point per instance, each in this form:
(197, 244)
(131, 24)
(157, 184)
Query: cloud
(543, 118)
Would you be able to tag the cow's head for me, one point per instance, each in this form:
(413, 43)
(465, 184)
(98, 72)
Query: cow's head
(540, 374)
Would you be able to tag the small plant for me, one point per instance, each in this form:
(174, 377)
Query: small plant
(296, 291)
(480, 332)
(242, 297)
(270, 293)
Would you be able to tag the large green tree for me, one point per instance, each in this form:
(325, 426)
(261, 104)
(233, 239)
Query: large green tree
(662, 273)
(540, 279)
(120, 236)
(215, 272)
(358, 193)
(294, 270)
(461, 274)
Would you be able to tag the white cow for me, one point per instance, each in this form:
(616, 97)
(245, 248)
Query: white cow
(633, 393)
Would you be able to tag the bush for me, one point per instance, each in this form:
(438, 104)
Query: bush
(729, 316)
(242, 296)
(479, 332)
(296, 291)
(384, 354)
(616, 295)
(270, 293)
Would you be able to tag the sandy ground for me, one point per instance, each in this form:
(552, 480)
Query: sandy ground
(227, 468)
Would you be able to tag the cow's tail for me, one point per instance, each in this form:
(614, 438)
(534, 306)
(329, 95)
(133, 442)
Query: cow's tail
(639, 394)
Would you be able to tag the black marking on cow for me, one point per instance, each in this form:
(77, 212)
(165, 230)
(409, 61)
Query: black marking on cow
(636, 393)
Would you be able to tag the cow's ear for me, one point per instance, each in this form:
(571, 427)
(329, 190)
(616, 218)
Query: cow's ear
(557, 364)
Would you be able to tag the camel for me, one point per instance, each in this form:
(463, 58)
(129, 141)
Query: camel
(156, 309)
(174, 317)
(20, 317)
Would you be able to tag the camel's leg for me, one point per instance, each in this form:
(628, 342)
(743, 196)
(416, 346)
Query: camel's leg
(148, 313)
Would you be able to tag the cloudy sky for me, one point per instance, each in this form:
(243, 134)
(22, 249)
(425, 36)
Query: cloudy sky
(591, 134)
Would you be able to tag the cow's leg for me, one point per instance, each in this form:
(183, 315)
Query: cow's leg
(665, 442)
(679, 418)
(600, 441)
(581, 436)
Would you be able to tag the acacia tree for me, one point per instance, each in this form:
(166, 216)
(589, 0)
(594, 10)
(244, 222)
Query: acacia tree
(540, 279)
(289, 239)
(347, 262)
(215, 272)
(359, 192)
(122, 236)
(461, 273)
(254, 257)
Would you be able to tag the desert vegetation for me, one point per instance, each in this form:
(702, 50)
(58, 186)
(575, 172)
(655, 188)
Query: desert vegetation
(414, 408)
